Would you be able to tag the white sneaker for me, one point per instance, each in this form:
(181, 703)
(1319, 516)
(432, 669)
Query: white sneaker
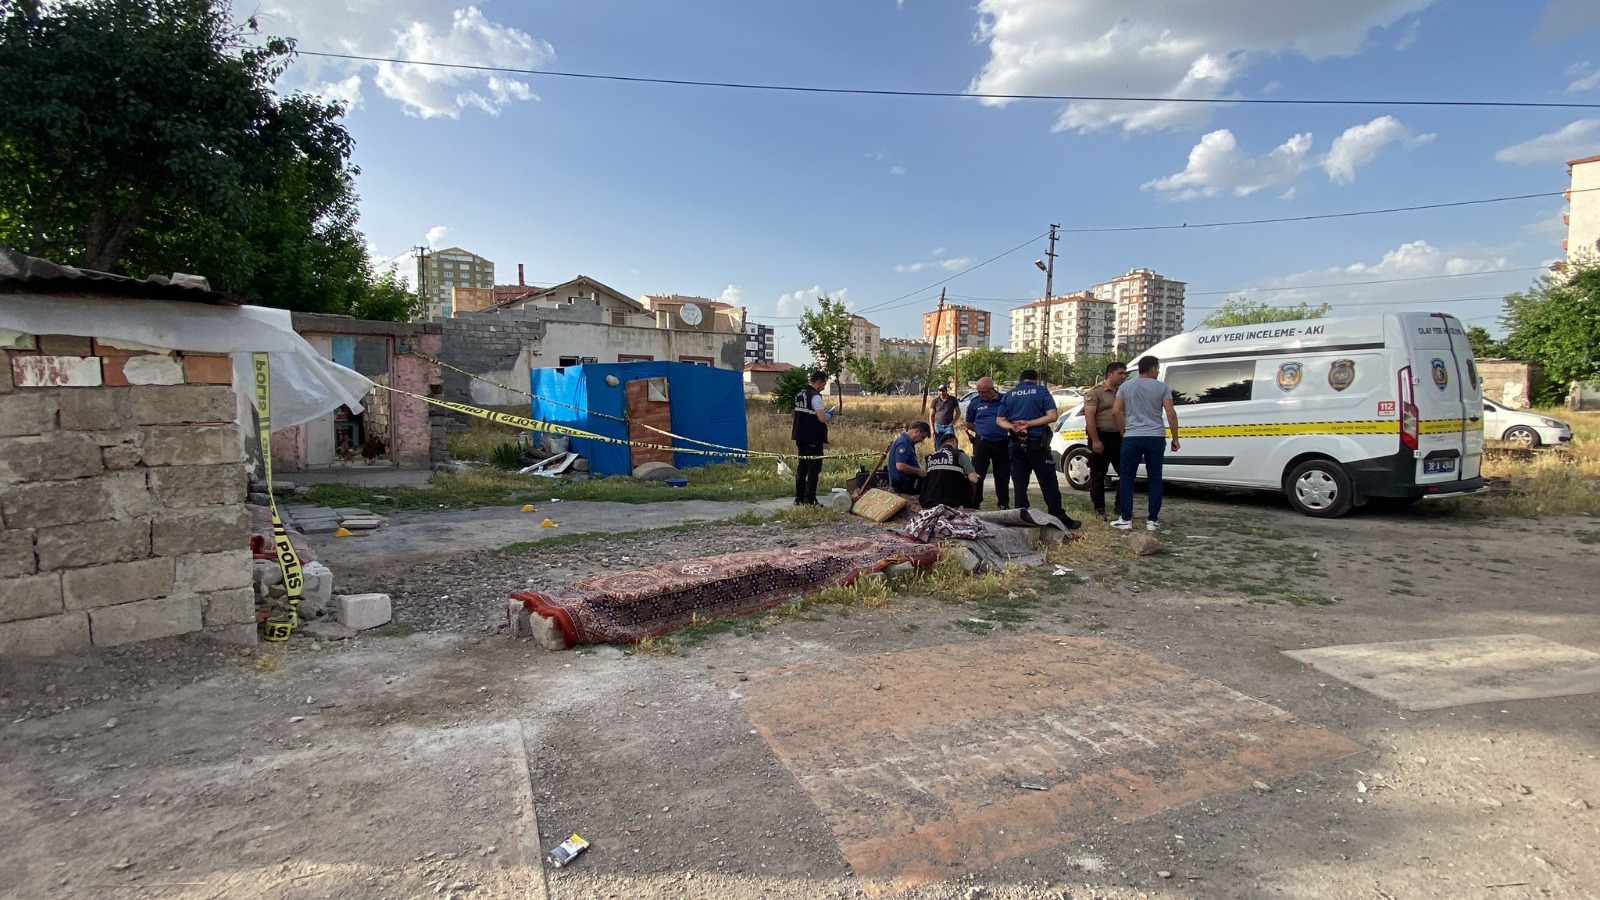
(1150, 525)
(1122, 524)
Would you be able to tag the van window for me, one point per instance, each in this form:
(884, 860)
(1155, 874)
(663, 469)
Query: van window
(1472, 374)
(1219, 382)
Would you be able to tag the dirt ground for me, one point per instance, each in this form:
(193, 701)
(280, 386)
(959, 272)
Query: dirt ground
(445, 762)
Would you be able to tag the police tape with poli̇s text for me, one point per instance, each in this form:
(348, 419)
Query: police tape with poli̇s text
(288, 559)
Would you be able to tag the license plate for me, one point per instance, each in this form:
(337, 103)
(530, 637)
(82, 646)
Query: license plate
(1438, 466)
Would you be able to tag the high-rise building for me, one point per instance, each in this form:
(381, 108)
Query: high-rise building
(865, 338)
(1080, 326)
(760, 342)
(1583, 210)
(957, 326)
(1149, 309)
(439, 271)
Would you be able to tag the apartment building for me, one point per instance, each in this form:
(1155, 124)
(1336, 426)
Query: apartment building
(1583, 210)
(956, 326)
(909, 346)
(865, 338)
(1079, 326)
(1149, 309)
(760, 342)
(439, 272)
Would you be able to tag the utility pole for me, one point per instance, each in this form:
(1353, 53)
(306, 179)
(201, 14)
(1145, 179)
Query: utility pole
(938, 325)
(422, 273)
(1049, 289)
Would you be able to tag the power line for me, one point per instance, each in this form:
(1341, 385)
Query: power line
(883, 92)
(886, 304)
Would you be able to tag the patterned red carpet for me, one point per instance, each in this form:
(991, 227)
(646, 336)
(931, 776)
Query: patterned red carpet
(626, 607)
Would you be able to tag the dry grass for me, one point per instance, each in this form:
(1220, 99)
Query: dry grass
(481, 437)
(1557, 481)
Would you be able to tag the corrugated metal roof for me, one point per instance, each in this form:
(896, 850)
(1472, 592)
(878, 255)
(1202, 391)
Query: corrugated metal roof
(21, 273)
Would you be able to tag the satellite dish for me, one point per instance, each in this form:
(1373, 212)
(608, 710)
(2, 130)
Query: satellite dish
(690, 314)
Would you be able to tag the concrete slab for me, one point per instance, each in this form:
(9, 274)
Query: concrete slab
(1436, 674)
(917, 758)
(421, 535)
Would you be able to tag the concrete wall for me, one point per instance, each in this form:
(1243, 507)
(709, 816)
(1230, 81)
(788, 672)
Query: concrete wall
(1509, 382)
(122, 512)
(1583, 213)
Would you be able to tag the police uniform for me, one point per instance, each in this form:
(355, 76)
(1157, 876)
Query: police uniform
(945, 481)
(990, 445)
(1030, 454)
(809, 434)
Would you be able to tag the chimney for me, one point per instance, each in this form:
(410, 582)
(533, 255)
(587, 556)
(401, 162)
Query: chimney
(520, 282)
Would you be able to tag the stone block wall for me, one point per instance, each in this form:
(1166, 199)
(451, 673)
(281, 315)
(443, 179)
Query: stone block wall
(122, 488)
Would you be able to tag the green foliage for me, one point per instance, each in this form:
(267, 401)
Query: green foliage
(1556, 324)
(902, 371)
(825, 331)
(788, 384)
(506, 456)
(1483, 345)
(865, 369)
(1240, 311)
(388, 298)
(145, 136)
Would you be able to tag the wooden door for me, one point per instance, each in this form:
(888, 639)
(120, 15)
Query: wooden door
(649, 403)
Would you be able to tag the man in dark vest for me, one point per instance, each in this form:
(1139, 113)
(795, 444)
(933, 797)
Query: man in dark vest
(950, 478)
(810, 433)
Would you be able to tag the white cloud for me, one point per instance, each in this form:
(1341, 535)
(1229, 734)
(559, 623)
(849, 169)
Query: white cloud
(1409, 36)
(1583, 78)
(435, 235)
(1158, 48)
(1551, 227)
(877, 154)
(937, 251)
(346, 91)
(953, 264)
(797, 302)
(1580, 138)
(732, 295)
(1413, 260)
(1217, 164)
(445, 31)
(897, 169)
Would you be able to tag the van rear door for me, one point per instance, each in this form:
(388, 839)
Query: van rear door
(1445, 421)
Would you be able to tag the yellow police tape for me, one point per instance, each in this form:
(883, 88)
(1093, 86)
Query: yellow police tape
(594, 412)
(288, 560)
(528, 424)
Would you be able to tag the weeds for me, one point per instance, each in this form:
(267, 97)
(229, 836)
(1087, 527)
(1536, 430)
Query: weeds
(395, 630)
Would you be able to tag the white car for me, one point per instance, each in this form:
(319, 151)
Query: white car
(1069, 446)
(1502, 423)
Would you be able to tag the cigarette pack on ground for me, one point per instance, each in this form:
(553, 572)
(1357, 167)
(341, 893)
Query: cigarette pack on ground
(878, 505)
(568, 851)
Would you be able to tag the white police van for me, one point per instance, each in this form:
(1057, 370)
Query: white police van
(1333, 412)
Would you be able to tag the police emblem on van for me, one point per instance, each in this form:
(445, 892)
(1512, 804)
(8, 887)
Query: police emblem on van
(1441, 375)
(1341, 374)
(1289, 375)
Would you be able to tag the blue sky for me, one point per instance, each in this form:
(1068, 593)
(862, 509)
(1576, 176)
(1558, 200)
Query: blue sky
(768, 198)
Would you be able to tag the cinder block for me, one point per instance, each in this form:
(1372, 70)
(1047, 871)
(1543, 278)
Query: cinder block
(202, 530)
(27, 412)
(144, 620)
(48, 636)
(207, 369)
(65, 345)
(6, 383)
(56, 371)
(182, 487)
(203, 573)
(119, 495)
(163, 368)
(30, 597)
(16, 553)
(235, 607)
(121, 457)
(91, 544)
(362, 611)
(51, 457)
(244, 635)
(108, 585)
(183, 404)
(192, 445)
(106, 409)
(318, 586)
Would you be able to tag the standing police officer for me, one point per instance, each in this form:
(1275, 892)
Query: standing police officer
(1027, 411)
(990, 443)
(810, 433)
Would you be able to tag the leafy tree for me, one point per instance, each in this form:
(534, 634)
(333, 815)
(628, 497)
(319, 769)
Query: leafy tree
(1556, 323)
(867, 375)
(1484, 346)
(1240, 311)
(145, 136)
(1091, 369)
(825, 331)
(789, 383)
(387, 297)
(902, 371)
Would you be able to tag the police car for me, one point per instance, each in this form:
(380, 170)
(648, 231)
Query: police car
(1332, 412)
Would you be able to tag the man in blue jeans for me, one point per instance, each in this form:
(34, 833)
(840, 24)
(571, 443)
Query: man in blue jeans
(1138, 408)
(1027, 412)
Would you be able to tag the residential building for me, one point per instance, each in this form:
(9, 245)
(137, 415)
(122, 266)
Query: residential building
(1079, 326)
(439, 271)
(865, 338)
(911, 346)
(762, 377)
(1583, 209)
(956, 326)
(1149, 309)
(683, 313)
(760, 342)
(614, 306)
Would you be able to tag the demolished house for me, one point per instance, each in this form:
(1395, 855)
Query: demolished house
(125, 417)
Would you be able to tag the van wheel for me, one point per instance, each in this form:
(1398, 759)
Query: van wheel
(1320, 488)
(1522, 434)
(1076, 467)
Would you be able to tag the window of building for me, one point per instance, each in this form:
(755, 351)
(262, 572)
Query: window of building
(706, 361)
(1219, 382)
(634, 357)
